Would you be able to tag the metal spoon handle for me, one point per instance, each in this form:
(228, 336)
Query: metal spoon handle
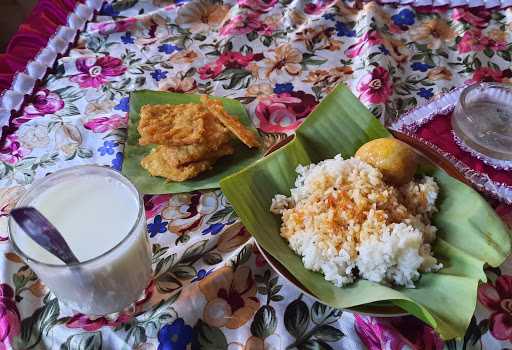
(44, 233)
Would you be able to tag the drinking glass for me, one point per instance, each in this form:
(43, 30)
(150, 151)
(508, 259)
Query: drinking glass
(108, 282)
(482, 119)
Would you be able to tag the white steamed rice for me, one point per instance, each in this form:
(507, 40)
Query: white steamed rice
(346, 222)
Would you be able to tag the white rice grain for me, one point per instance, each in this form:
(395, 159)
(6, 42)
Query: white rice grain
(342, 218)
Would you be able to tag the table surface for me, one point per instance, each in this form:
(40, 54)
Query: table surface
(264, 53)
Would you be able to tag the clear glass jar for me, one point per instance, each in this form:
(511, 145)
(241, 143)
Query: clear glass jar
(482, 119)
(117, 276)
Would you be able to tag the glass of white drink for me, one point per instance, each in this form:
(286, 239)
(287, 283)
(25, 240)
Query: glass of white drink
(482, 119)
(101, 216)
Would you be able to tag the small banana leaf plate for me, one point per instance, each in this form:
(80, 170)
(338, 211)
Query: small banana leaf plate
(470, 233)
(134, 152)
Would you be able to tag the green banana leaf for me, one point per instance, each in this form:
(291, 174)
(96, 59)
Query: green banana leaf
(133, 152)
(470, 233)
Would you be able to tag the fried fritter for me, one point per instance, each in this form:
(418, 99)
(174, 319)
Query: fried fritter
(190, 137)
(216, 137)
(179, 156)
(216, 134)
(172, 125)
(236, 127)
(156, 165)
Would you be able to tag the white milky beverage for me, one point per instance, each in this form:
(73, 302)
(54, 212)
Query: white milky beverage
(100, 215)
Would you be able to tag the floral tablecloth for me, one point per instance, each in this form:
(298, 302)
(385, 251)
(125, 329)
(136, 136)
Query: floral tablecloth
(212, 289)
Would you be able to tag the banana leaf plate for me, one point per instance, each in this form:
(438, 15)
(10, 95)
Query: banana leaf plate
(134, 152)
(470, 233)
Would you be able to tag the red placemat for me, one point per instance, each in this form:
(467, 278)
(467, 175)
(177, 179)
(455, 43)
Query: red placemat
(431, 124)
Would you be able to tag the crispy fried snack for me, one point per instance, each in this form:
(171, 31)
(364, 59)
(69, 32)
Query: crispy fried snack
(156, 165)
(190, 137)
(215, 132)
(216, 140)
(183, 155)
(235, 126)
(172, 125)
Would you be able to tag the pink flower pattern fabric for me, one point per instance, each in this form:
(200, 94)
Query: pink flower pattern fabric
(242, 24)
(375, 87)
(104, 124)
(233, 60)
(42, 102)
(13, 150)
(95, 72)
(257, 5)
(371, 38)
(91, 324)
(396, 333)
(474, 41)
(284, 112)
(212, 287)
(476, 17)
(9, 317)
(497, 297)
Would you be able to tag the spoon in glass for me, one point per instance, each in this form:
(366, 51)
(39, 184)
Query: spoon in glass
(44, 233)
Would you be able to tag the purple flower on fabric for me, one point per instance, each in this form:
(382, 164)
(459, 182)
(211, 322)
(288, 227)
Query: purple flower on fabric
(496, 298)
(12, 151)
(213, 229)
(174, 336)
(94, 72)
(425, 93)
(108, 10)
(343, 30)
(403, 18)
(42, 102)
(127, 38)
(421, 67)
(202, 273)
(396, 333)
(168, 48)
(158, 226)
(104, 124)
(280, 88)
(257, 5)
(123, 105)
(383, 49)
(376, 86)
(117, 162)
(107, 148)
(10, 324)
(329, 16)
(159, 74)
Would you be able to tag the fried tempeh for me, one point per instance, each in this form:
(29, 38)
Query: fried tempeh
(156, 165)
(173, 125)
(236, 127)
(177, 156)
(216, 133)
(189, 137)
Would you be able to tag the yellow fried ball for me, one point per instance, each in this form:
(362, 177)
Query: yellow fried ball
(395, 159)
